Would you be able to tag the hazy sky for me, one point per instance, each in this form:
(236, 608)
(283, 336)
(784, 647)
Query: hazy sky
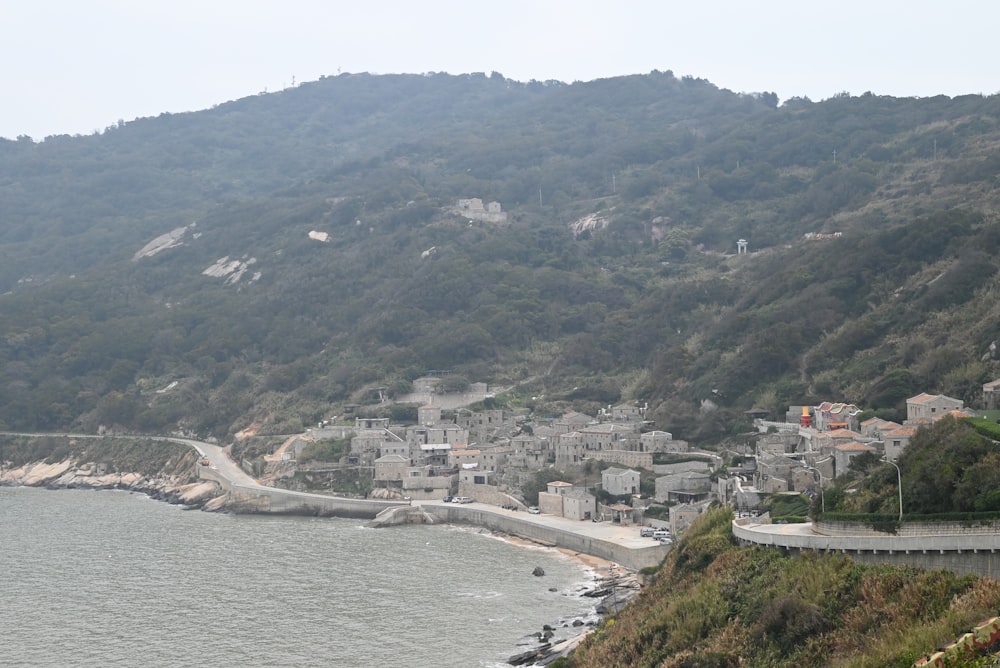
(76, 66)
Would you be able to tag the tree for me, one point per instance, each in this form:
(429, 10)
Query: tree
(979, 488)
(934, 465)
(539, 483)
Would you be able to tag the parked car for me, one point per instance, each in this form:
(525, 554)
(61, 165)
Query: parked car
(534, 510)
(647, 532)
(461, 499)
(660, 534)
(448, 499)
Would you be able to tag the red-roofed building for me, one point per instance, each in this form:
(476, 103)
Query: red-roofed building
(875, 427)
(843, 453)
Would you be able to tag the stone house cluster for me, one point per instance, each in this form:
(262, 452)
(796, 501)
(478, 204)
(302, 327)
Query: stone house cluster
(488, 454)
(817, 443)
(615, 437)
(580, 503)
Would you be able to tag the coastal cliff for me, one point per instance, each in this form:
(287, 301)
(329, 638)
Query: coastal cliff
(164, 471)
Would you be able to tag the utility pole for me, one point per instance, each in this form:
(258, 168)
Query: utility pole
(822, 497)
(899, 483)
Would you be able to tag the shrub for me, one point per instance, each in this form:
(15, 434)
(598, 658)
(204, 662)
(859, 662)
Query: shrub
(789, 620)
(697, 552)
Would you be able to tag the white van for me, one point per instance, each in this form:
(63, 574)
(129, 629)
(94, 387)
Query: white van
(661, 533)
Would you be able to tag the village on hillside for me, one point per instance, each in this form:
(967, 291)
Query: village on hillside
(625, 470)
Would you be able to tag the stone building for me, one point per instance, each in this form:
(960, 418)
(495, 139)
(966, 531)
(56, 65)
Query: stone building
(474, 209)
(686, 487)
(924, 407)
(661, 441)
(620, 482)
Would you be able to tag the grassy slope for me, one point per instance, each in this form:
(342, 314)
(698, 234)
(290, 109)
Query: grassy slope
(714, 604)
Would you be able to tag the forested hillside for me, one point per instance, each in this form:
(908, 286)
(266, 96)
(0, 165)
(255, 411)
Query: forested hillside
(315, 252)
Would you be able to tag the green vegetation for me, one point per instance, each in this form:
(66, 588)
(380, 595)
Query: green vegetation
(658, 511)
(789, 507)
(538, 482)
(714, 604)
(328, 450)
(349, 482)
(950, 472)
(116, 455)
(647, 301)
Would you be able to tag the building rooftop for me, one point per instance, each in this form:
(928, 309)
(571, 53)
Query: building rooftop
(854, 446)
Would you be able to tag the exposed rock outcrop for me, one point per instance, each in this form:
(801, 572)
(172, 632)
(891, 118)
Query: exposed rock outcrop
(69, 474)
(402, 515)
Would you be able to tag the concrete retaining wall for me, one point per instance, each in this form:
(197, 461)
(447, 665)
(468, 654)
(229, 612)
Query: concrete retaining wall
(634, 559)
(976, 554)
(910, 529)
(983, 564)
(283, 501)
(252, 499)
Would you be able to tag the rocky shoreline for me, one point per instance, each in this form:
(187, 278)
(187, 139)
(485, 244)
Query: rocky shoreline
(70, 474)
(614, 590)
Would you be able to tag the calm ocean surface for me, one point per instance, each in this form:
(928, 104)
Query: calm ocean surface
(112, 578)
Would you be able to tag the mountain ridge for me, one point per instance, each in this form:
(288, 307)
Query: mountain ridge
(654, 304)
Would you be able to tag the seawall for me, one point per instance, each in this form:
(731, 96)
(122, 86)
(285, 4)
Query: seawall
(583, 537)
(242, 498)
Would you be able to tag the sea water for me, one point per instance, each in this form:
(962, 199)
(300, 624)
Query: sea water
(99, 578)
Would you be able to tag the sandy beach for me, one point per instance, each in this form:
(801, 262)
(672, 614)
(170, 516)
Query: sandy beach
(596, 564)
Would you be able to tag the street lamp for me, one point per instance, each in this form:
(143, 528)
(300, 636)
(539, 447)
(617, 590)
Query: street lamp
(822, 496)
(899, 484)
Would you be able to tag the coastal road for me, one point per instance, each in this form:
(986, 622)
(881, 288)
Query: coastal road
(220, 459)
(626, 536)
